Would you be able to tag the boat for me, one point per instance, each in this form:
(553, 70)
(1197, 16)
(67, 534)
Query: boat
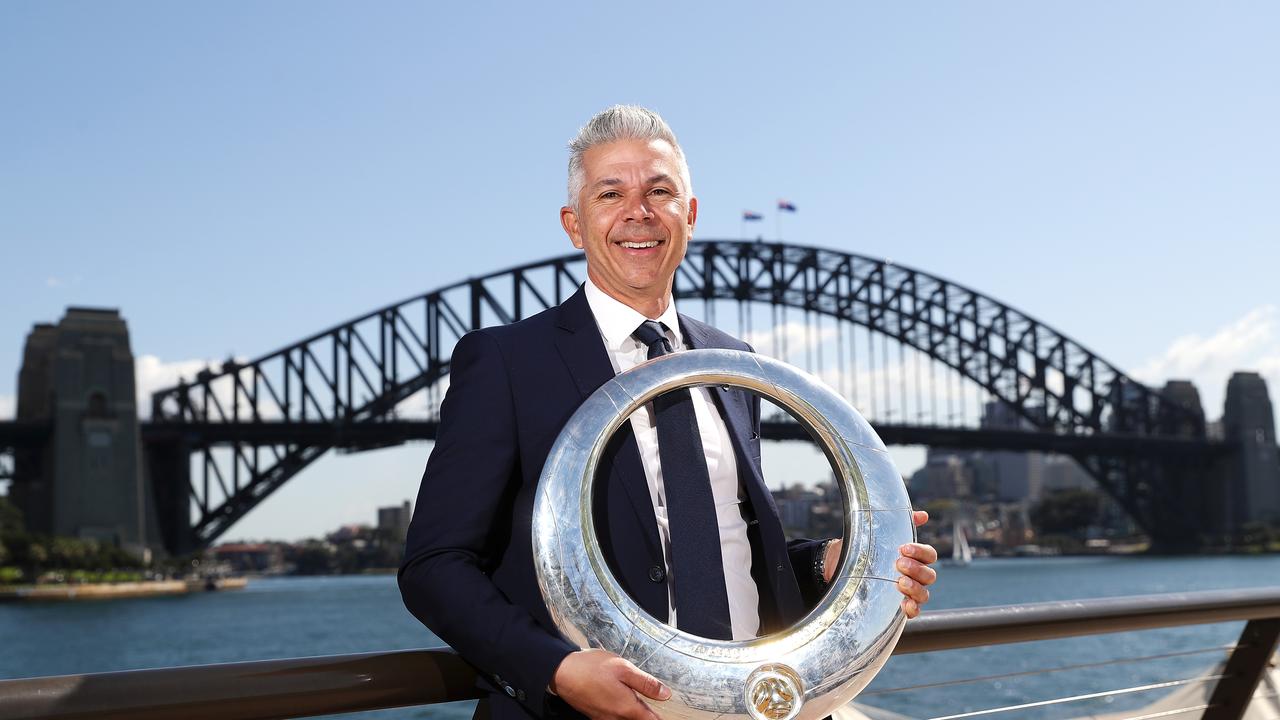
(961, 553)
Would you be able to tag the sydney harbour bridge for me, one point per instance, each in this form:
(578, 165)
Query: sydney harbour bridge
(916, 353)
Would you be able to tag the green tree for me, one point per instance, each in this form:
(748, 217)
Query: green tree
(37, 555)
(11, 522)
(1066, 512)
(313, 559)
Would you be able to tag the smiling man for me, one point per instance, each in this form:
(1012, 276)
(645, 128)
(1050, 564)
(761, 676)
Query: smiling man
(683, 512)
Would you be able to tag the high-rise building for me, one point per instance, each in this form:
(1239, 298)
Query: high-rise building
(1018, 476)
(396, 519)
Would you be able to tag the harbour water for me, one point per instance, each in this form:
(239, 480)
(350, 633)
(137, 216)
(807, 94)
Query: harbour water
(292, 617)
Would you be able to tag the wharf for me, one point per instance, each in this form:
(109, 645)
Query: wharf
(113, 591)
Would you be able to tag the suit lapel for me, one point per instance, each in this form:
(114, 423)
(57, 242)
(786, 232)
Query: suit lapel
(580, 345)
(583, 352)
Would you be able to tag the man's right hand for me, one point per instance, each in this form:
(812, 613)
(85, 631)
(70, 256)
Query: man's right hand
(603, 686)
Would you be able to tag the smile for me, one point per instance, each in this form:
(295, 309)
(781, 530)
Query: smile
(638, 245)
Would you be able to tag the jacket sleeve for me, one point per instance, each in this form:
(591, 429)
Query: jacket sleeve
(463, 508)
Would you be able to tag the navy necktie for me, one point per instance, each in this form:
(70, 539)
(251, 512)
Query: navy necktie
(697, 568)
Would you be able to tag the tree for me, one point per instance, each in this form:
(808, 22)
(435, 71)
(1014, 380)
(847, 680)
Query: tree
(11, 522)
(1066, 512)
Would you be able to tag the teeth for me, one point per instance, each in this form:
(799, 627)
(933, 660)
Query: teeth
(639, 245)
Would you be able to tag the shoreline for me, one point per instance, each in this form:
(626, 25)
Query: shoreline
(112, 591)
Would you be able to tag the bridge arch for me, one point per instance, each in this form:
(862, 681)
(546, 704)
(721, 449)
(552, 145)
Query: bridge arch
(354, 375)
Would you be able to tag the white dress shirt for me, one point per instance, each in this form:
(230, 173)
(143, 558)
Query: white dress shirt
(616, 322)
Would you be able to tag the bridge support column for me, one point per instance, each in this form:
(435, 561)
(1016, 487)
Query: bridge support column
(168, 467)
(78, 377)
(1252, 483)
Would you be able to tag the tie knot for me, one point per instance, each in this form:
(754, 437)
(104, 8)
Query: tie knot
(651, 335)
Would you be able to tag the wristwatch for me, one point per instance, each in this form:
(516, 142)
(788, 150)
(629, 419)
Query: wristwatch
(820, 564)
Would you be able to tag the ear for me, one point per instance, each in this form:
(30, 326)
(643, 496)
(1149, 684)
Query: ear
(569, 221)
(693, 214)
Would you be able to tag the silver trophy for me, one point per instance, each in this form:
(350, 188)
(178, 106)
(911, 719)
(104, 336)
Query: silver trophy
(802, 673)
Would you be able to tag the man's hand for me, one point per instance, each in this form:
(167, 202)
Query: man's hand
(914, 564)
(603, 686)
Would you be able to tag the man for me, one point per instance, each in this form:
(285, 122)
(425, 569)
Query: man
(468, 572)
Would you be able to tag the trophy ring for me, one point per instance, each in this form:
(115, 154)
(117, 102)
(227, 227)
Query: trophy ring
(801, 673)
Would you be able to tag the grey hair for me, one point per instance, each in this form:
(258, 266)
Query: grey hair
(620, 122)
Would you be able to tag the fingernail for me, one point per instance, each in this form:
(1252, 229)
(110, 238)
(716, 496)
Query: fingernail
(664, 693)
(903, 564)
(905, 582)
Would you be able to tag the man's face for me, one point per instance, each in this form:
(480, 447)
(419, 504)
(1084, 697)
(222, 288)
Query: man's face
(634, 218)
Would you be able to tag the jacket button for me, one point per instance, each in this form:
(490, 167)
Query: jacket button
(657, 574)
(511, 691)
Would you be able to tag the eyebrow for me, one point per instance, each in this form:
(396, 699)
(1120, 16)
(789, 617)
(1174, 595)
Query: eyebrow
(653, 180)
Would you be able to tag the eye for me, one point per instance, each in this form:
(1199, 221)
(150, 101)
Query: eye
(659, 191)
(609, 195)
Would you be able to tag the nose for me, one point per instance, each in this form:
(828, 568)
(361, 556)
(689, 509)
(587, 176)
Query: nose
(637, 209)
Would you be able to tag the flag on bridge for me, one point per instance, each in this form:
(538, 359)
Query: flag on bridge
(786, 205)
(747, 215)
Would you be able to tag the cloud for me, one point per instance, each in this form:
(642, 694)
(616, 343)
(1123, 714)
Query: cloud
(1251, 343)
(796, 337)
(54, 282)
(876, 389)
(423, 404)
(151, 374)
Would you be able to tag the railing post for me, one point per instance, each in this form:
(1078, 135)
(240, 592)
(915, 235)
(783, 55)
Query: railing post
(1244, 669)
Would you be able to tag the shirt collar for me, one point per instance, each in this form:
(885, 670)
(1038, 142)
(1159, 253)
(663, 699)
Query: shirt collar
(617, 320)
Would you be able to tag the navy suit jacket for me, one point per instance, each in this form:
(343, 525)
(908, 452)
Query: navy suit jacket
(468, 571)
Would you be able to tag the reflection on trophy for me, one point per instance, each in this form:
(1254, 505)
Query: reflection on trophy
(805, 671)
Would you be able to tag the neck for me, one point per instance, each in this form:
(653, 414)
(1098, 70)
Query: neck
(649, 305)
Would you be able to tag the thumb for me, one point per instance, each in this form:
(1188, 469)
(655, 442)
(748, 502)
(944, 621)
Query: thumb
(645, 684)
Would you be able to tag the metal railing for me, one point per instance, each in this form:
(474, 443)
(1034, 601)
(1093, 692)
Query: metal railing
(302, 687)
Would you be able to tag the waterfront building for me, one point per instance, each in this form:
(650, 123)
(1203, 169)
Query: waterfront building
(251, 557)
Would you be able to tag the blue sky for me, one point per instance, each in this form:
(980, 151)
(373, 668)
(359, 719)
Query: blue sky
(235, 176)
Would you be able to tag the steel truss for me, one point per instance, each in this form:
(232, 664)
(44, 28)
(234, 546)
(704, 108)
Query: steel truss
(356, 374)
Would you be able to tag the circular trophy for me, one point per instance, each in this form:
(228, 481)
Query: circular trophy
(802, 673)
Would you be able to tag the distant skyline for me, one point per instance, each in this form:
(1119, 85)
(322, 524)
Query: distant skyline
(234, 178)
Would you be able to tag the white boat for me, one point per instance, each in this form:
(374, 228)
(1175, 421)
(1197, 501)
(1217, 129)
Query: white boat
(961, 553)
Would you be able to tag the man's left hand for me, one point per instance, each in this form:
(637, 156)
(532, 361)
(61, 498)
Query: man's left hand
(914, 564)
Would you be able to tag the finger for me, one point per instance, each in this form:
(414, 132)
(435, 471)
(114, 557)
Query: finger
(913, 590)
(920, 551)
(645, 684)
(919, 517)
(910, 608)
(919, 572)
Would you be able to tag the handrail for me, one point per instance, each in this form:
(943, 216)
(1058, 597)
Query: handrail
(300, 687)
(970, 627)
